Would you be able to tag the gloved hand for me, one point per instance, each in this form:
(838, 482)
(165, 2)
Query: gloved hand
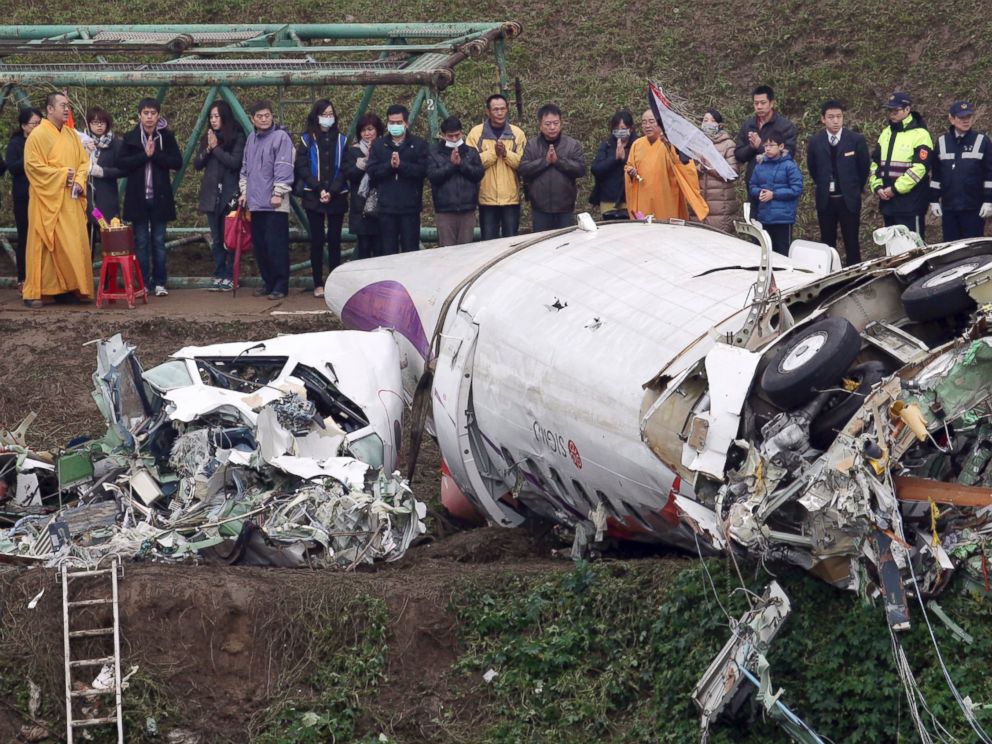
(96, 171)
(935, 209)
(986, 210)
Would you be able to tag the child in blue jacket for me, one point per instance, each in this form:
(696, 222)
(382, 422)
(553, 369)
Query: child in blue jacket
(777, 184)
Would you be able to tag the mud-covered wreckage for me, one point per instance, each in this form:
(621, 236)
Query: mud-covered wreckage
(279, 452)
(836, 419)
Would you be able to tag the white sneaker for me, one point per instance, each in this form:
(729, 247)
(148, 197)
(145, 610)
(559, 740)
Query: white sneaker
(161, 291)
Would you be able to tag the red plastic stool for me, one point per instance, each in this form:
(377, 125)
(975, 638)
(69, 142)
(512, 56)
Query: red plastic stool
(131, 271)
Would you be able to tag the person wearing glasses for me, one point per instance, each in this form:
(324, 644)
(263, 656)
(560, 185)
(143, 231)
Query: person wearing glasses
(659, 184)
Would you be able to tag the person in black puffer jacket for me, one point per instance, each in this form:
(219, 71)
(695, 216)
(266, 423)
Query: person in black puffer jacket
(365, 227)
(607, 168)
(219, 157)
(455, 171)
(321, 184)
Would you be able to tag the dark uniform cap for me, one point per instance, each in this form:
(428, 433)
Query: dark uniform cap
(898, 100)
(962, 108)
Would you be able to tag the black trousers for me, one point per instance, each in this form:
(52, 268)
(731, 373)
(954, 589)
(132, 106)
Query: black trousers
(270, 237)
(324, 228)
(21, 220)
(551, 220)
(781, 236)
(959, 225)
(366, 246)
(838, 213)
(914, 222)
(399, 233)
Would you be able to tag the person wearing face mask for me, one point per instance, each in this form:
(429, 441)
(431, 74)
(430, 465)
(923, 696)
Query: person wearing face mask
(720, 195)
(27, 120)
(454, 170)
(607, 168)
(219, 157)
(364, 226)
(397, 167)
(104, 149)
(322, 186)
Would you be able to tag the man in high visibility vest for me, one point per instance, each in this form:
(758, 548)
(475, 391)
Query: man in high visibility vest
(901, 166)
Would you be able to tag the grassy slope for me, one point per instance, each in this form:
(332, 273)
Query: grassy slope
(593, 59)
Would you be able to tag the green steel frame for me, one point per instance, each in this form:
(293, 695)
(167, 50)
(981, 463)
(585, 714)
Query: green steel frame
(222, 57)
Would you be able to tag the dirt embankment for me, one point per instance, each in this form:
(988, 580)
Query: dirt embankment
(215, 639)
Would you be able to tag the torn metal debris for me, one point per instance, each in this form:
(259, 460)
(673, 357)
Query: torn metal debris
(279, 452)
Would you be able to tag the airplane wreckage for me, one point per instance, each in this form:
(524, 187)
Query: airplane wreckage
(670, 383)
(659, 382)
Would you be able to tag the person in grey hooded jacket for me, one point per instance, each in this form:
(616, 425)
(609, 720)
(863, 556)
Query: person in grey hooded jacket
(266, 182)
(551, 164)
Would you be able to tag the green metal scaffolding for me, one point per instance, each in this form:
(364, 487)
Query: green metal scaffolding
(221, 57)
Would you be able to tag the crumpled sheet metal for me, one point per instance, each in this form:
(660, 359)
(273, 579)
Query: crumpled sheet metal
(279, 490)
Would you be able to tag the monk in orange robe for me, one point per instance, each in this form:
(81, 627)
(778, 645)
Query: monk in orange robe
(57, 259)
(658, 182)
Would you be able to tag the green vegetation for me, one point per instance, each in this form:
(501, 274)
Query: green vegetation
(346, 648)
(611, 653)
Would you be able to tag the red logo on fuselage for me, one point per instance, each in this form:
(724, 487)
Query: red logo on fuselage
(574, 452)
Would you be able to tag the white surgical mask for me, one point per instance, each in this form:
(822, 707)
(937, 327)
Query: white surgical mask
(710, 127)
(326, 121)
(621, 134)
(454, 145)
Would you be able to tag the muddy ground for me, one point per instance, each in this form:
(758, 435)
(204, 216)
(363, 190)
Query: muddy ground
(200, 630)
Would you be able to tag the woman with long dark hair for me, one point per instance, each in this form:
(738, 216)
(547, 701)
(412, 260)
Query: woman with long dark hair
(322, 186)
(219, 157)
(607, 167)
(361, 222)
(27, 119)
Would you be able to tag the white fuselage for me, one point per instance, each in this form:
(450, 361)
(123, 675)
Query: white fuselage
(542, 358)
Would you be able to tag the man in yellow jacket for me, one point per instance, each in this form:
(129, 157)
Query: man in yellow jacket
(901, 162)
(500, 146)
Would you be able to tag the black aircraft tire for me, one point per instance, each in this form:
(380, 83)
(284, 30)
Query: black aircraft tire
(815, 358)
(830, 421)
(942, 292)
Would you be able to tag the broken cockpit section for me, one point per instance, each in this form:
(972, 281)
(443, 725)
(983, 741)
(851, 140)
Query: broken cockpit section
(279, 452)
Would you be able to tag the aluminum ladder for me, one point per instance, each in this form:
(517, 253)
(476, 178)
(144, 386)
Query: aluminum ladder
(99, 662)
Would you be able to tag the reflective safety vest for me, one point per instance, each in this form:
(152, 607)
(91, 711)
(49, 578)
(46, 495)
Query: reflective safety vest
(902, 159)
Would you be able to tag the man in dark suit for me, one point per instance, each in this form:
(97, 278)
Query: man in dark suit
(838, 163)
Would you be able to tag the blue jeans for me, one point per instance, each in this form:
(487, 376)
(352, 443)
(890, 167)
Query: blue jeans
(270, 238)
(496, 220)
(223, 258)
(149, 244)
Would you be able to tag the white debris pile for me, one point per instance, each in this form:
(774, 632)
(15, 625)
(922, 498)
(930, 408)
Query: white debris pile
(221, 457)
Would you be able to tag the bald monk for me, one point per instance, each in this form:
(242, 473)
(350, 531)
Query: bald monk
(658, 182)
(57, 259)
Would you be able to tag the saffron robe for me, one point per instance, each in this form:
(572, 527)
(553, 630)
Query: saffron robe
(57, 258)
(666, 185)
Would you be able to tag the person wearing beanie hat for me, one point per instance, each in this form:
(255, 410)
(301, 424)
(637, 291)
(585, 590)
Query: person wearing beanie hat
(961, 184)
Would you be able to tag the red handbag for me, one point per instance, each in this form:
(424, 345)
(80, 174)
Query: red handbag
(237, 231)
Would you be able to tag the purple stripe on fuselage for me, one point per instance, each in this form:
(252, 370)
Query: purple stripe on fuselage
(386, 304)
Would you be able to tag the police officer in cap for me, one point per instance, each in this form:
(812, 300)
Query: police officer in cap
(961, 182)
(901, 166)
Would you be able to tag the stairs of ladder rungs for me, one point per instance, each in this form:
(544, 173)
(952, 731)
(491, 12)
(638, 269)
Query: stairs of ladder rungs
(92, 643)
